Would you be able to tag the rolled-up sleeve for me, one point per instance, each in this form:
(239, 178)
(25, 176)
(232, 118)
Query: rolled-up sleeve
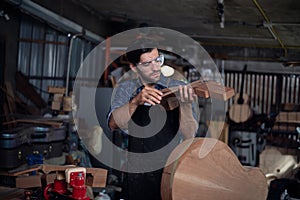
(120, 96)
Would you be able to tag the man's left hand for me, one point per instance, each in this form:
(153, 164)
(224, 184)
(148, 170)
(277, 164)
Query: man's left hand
(187, 94)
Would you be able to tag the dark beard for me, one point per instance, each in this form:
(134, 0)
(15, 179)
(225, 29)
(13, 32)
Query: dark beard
(145, 79)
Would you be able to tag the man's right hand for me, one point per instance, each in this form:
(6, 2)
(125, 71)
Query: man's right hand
(148, 95)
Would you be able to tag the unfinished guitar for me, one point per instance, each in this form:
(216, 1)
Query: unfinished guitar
(240, 111)
(216, 175)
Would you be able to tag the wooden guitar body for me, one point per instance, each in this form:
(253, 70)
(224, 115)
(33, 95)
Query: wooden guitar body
(218, 175)
(240, 112)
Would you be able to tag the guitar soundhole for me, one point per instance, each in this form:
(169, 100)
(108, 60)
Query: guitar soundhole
(240, 101)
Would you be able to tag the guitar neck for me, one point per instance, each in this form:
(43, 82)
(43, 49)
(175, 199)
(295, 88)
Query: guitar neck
(242, 84)
(205, 89)
(168, 91)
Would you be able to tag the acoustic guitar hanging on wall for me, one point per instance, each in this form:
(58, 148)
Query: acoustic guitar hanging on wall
(240, 111)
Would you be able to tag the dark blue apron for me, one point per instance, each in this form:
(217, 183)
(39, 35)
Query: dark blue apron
(144, 186)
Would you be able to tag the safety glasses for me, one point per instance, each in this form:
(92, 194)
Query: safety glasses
(157, 61)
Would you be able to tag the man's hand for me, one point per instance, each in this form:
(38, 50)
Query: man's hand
(187, 94)
(188, 124)
(148, 95)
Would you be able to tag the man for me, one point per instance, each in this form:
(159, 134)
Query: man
(137, 109)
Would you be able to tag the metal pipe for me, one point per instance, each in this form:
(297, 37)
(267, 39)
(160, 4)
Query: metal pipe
(247, 45)
(230, 38)
(282, 24)
(55, 19)
(69, 60)
(271, 28)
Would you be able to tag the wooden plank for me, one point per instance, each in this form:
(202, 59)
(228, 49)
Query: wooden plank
(268, 94)
(259, 92)
(290, 89)
(288, 117)
(298, 90)
(56, 105)
(286, 89)
(28, 109)
(8, 107)
(263, 104)
(26, 88)
(229, 83)
(10, 97)
(42, 122)
(295, 90)
(67, 103)
(7, 115)
(272, 90)
(251, 91)
(234, 85)
(24, 169)
(56, 90)
(11, 193)
(214, 90)
(28, 181)
(282, 126)
(97, 176)
(255, 90)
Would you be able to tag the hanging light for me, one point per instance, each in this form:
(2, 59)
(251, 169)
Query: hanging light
(5, 15)
(220, 10)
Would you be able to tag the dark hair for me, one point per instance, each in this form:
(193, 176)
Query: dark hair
(138, 47)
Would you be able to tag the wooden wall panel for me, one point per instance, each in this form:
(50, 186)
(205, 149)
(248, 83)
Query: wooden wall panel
(263, 89)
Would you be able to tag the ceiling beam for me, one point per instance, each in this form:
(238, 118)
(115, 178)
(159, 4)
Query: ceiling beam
(50, 17)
